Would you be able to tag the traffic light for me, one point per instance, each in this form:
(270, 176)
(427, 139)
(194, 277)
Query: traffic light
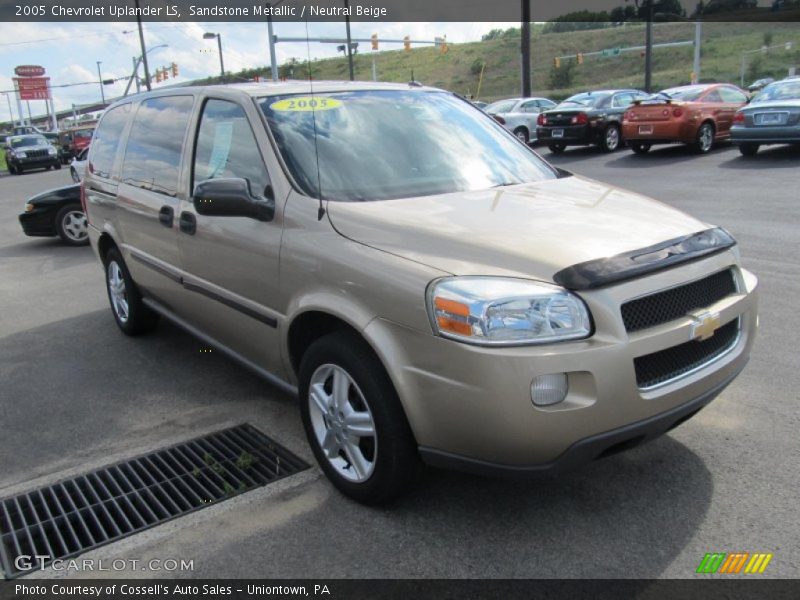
(580, 58)
(407, 43)
(374, 41)
(174, 68)
(557, 62)
(158, 75)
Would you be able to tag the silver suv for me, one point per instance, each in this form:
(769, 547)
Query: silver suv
(465, 304)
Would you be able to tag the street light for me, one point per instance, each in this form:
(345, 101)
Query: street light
(100, 77)
(136, 63)
(10, 112)
(211, 36)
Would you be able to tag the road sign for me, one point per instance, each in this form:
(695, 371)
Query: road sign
(33, 88)
(611, 51)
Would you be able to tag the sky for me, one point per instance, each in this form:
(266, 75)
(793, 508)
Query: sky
(69, 51)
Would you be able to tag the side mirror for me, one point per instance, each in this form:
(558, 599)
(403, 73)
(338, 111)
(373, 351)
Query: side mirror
(231, 197)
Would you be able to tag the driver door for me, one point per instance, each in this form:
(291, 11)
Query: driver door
(230, 263)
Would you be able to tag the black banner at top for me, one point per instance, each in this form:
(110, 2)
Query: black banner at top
(397, 10)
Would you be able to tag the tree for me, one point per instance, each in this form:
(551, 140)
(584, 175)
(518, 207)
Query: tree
(768, 38)
(562, 77)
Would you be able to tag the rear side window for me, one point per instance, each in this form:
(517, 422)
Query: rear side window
(155, 144)
(226, 147)
(106, 140)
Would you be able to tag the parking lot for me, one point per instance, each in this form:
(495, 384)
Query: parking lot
(77, 394)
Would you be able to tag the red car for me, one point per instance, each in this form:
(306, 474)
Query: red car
(697, 115)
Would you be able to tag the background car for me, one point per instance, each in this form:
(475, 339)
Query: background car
(586, 118)
(57, 212)
(518, 115)
(31, 151)
(78, 166)
(697, 115)
(760, 84)
(773, 117)
(73, 140)
(480, 104)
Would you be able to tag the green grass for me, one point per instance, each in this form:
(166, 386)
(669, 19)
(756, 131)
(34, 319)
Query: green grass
(723, 44)
(3, 166)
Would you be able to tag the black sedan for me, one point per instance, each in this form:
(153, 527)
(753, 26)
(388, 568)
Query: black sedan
(57, 212)
(772, 117)
(585, 119)
(31, 151)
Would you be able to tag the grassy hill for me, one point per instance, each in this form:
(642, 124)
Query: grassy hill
(459, 69)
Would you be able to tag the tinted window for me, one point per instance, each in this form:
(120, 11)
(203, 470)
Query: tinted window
(622, 100)
(155, 144)
(501, 106)
(545, 104)
(712, 96)
(531, 106)
(731, 95)
(687, 94)
(106, 140)
(586, 99)
(374, 145)
(226, 147)
(783, 90)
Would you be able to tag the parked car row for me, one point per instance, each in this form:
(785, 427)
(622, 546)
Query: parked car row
(696, 115)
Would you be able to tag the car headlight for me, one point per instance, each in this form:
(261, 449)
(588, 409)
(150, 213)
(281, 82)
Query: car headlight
(28, 207)
(20, 154)
(496, 311)
(51, 151)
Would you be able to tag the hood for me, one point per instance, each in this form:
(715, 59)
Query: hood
(529, 230)
(69, 192)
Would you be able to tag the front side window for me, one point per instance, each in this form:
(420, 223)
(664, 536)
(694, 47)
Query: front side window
(731, 95)
(155, 144)
(375, 145)
(622, 100)
(712, 96)
(226, 147)
(530, 107)
(106, 140)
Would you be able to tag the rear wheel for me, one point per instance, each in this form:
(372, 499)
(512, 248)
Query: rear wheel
(611, 138)
(57, 166)
(354, 421)
(522, 134)
(12, 169)
(557, 147)
(71, 226)
(640, 147)
(130, 313)
(704, 139)
(749, 149)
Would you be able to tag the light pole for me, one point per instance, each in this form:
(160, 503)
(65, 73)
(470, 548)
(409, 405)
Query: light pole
(211, 36)
(100, 78)
(135, 75)
(10, 112)
(349, 43)
(144, 50)
(272, 59)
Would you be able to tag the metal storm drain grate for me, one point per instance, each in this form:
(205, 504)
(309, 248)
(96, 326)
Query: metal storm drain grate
(70, 517)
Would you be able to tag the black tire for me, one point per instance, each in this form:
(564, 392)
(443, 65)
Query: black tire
(557, 147)
(522, 134)
(749, 149)
(640, 147)
(140, 319)
(611, 139)
(12, 169)
(71, 225)
(704, 139)
(396, 461)
(57, 166)
(74, 174)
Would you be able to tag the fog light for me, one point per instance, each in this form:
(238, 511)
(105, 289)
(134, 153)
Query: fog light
(549, 389)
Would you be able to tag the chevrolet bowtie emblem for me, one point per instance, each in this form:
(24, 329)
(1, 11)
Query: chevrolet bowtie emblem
(704, 326)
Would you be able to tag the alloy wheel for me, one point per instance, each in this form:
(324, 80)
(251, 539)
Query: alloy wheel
(75, 226)
(342, 423)
(117, 292)
(706, 138)
(612, 138)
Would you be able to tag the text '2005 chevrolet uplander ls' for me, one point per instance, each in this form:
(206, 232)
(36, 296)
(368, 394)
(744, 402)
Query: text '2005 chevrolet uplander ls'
(428, 285)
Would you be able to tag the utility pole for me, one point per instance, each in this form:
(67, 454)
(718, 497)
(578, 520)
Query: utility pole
(211, 36)
(100, 77)
(272, 60)
(135, 75)
(144, 50)
(698, 35)
(10, 112)
(648, 49)
(349, 42)
(526, 48)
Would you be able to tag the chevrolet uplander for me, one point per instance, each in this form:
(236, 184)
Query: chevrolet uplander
(432, 290)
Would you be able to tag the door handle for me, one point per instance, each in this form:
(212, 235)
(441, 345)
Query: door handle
(165, 216)
(188, 223)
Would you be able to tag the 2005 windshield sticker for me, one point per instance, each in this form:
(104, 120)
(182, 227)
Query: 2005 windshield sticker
(305, 103)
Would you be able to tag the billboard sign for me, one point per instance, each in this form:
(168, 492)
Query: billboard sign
(29, 71)
(33, 88)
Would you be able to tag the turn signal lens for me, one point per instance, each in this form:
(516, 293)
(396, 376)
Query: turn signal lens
(549, 389)
(452, 316)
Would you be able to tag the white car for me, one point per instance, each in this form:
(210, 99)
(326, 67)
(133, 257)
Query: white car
(78, 166)
(519, 115)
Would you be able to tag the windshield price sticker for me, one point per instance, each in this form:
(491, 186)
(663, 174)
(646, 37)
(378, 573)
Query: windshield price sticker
(305, 104)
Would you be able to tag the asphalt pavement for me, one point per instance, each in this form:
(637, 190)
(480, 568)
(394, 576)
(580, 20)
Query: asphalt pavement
(77, 394)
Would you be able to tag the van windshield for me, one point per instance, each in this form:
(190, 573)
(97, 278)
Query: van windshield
(377, 145)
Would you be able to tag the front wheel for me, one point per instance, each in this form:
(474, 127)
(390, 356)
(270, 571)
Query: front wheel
(640, 147)
(704, 140)
(354, 421)
(522, 134)
(71, 226)
(611, 139)
(748, 149)
(557, 147)
(130, 313)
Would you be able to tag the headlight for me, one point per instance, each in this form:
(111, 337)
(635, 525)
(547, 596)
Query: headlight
(495, 311)
(20, 154)
(51, 151)
(29, 207)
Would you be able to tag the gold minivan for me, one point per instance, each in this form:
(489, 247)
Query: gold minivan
(432, 290)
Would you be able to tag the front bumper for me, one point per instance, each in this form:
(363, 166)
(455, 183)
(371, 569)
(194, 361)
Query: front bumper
(38, 222)
(474, 402)
(36, 162)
